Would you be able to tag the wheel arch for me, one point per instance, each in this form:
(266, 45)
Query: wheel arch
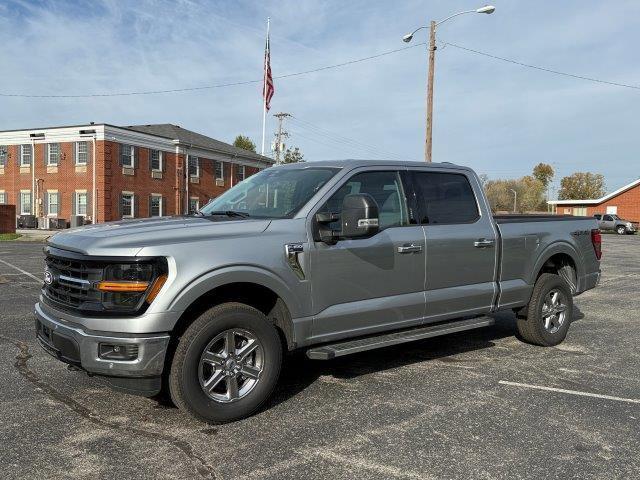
(562, 259)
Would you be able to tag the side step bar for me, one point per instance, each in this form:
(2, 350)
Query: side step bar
(328, 352)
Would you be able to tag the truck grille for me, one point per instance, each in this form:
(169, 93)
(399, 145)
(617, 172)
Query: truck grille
(72, 282)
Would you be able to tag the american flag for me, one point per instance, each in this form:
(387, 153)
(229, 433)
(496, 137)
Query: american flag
(267, 90)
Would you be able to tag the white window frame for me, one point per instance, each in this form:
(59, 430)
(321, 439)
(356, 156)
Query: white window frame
(22, 155)
(77, 159)
(197, 200)
(22, 202)
(3, 197)
(131, 156)
(160, 160)
(4, 155)
(49, 162)
(197, 160)
(221, 177)
(133, 206)
(242, 169)
(160, 205)
(76, 199)
(53, 193)
(612, 209)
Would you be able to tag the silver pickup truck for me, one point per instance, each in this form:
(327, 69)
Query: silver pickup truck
(331, 258)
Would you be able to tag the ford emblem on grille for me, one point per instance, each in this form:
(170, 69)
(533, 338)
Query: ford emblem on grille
(48, 277)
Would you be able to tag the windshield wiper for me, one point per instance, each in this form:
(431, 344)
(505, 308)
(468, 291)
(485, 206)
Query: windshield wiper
(229, 213)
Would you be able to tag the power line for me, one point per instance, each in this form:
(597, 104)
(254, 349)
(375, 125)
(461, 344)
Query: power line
(543, 69)
(219, 85)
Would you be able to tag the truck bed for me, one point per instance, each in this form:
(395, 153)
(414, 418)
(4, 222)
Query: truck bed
(534, 217)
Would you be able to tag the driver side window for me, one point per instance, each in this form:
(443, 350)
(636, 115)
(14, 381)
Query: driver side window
(385, 188)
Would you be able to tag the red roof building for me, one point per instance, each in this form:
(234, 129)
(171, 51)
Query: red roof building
(624, 202)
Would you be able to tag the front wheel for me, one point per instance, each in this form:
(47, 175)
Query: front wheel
(226, 364)
(549, 312)
(621, 230)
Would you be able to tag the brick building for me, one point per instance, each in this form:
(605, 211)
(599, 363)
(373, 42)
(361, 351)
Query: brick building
(624, 202)
(104, 172)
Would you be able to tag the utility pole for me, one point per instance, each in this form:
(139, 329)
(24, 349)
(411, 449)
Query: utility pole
(280, 134)
(432, 57)
(515, 200)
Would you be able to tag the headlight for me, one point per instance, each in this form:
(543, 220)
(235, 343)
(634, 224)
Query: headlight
(129, 286)
(629, 224)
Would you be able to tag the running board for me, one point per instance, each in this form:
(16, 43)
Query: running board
(328, 352)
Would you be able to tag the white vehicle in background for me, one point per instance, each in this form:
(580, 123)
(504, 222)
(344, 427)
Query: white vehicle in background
(615, 223)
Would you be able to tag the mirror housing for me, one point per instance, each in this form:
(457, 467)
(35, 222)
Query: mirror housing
(359, 217)
(322, 232)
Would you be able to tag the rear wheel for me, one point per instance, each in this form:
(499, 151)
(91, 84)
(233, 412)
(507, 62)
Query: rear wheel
(621, 230)
(226, 364)
(549, 312)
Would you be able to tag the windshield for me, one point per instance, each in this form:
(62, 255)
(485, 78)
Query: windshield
(272, 193)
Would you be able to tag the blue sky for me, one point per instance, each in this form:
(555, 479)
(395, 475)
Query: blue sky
(498, 118)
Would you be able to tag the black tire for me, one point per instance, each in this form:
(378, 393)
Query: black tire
(184, 383)
(532, 328)
(621, 230)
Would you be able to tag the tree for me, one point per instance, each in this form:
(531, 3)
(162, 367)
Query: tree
(581, 185)
(293, 156)
(543, 172)
(245, 143)
(529, 194)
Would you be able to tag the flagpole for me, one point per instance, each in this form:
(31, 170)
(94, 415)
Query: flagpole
(264, 96)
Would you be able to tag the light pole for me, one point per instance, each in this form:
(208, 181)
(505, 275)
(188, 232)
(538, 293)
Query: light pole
(515, 199)
(432, 50)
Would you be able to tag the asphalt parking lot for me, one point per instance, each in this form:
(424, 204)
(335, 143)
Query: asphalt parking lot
(461, 406)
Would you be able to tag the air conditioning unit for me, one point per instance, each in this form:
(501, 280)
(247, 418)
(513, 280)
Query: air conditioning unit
(27, 221)
(43, 223)
(57, 223)
(77, 221)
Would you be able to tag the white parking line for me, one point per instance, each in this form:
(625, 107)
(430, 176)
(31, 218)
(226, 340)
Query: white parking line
(570, 392)
(22, 271)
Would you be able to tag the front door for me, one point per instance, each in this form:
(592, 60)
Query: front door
(461, 245)
(369, 284)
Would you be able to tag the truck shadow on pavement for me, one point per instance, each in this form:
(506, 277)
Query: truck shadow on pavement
(298, 372)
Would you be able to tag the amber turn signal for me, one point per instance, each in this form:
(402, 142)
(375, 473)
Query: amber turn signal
(155, 288)
(127, 287)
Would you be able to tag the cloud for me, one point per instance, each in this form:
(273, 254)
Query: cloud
(496, 117)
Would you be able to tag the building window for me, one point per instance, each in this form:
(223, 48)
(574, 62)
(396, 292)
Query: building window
(53, 154)
(3, 197)
(127, 156)
(4, 154)
(194, 204)
(81, 203)
(52, 202)
(194, 166)
(219, 171)
(82, 153)
(155, 206)
(155, 158)
(25, 202)
(127, 206)
(239, 173)
(25, 155)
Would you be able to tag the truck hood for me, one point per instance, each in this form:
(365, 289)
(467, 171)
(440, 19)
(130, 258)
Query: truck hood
(128, 237)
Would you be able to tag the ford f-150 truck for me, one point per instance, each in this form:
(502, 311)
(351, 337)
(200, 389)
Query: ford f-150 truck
(331, 258)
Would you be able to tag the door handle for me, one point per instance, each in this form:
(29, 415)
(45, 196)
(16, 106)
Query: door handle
(483, 243)
(410, 249)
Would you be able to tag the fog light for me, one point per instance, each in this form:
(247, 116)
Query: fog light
(127, 351)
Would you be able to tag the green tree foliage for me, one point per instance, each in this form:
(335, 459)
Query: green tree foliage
(530, 194)
(543, 172)
(581, 185)
(293, 156)
(245, 143)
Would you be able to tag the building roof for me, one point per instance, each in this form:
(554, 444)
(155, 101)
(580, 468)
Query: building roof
(596, 201)
(184, 136)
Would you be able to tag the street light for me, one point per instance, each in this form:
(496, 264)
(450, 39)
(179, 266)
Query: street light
(432, 49)
(515, 199)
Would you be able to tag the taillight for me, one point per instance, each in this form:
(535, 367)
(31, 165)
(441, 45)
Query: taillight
(596, 240)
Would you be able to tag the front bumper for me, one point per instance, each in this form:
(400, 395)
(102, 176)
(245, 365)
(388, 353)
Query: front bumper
(76, 346)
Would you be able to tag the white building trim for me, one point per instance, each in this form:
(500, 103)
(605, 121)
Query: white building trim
(596, 201)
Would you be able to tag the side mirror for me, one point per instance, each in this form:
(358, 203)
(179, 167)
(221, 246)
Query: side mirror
(323, 232)
(359, 217)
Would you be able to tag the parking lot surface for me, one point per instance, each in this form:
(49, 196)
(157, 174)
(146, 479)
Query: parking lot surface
(477, 404)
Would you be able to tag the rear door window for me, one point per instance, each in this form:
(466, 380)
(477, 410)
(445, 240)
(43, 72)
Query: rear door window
(445, 198)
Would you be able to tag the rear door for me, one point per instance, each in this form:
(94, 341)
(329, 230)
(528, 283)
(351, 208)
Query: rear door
(461, 244)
